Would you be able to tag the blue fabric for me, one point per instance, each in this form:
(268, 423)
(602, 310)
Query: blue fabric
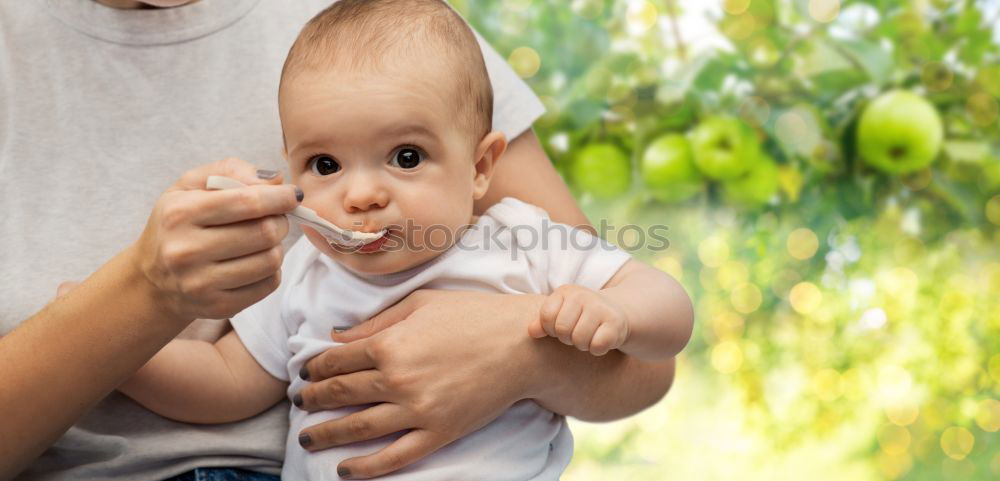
(223, 474)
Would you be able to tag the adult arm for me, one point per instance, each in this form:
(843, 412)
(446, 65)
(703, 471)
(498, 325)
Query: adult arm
(202, 254)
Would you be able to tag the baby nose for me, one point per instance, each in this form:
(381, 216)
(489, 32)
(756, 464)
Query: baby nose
(364, 194)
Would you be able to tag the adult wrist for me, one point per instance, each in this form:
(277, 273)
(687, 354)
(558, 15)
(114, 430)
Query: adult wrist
(163, 305)
(534, 356)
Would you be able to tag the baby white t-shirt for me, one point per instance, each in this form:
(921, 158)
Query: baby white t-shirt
(513, 248)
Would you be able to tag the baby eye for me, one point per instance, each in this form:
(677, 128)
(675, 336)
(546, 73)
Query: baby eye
(407, 158)
(324, 165)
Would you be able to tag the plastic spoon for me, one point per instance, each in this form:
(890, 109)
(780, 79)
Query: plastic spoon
(306, 216)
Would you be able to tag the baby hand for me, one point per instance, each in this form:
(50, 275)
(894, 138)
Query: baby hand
(583, 318)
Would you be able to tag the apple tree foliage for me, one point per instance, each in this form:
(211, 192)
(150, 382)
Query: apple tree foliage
(830, 175)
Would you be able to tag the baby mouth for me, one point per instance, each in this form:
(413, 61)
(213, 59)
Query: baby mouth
(376, 244)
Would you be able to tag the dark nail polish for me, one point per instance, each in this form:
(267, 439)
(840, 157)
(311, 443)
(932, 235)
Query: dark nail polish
(344, 473)
(297, 400)
(305, 440)
(267, 174)
(299, 195)
(304, 373)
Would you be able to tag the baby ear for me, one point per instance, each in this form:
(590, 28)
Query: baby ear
(488, 153)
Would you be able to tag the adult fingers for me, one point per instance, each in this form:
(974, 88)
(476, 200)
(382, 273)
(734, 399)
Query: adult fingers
(388, 317)
(242, 238)
(246, 270)
(235, 300)
(352, 389)
(370, 423)
(218, 207)
(343, 359)
(408, 449)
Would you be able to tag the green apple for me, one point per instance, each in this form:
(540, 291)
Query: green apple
(899, 132)
(667, 169)
(755, 187)
(602, 170)
(724, 147)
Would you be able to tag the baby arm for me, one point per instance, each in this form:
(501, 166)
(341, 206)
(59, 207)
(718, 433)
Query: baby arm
(641, 311)
(205, 383)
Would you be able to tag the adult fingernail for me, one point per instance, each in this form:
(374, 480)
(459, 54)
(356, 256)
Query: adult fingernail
(304, 373)
(299, 195)
(297, 400)
(305, 440)
(266, 174)
(344, 473)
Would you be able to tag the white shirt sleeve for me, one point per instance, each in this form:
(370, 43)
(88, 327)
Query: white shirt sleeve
(558, 254)
(264, 328)
(515, 106)
(579, 257)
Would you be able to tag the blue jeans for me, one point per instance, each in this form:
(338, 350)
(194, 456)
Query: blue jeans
(223, 474)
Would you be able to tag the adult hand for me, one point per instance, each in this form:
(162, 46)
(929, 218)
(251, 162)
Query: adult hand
(455, 365)
(210, 254)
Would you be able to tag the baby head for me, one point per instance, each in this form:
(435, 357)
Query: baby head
(386, 110)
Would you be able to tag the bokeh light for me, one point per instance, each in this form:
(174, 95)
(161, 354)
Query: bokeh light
(805, 298)
(525, 61)
(902, 412)
(746, 298)
(713, 251)
(824, 11)
(798, 129)
(727, 357)
(640, 16)
(957, 442)
(802, 243)
(982, 108)
(936, 76)
(735, 7)
(732, 273)
(894, 440)
(671, 266)
(993, 209)
(988, 415)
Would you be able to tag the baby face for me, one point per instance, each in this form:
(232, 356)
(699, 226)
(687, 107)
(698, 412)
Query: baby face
(375, 151)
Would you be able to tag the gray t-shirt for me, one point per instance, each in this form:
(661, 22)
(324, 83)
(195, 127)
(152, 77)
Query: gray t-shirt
(100, 111)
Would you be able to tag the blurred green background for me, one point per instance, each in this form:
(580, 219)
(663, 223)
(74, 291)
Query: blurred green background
(830, 175)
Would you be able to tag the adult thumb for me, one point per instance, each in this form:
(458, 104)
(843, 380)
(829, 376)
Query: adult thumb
(383, 320)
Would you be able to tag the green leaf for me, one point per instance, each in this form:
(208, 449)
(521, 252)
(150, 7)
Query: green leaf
(712, 74)
(837, 81)
(968, 22)
(875, 60)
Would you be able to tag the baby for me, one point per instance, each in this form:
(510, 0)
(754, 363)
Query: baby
(386, 111)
